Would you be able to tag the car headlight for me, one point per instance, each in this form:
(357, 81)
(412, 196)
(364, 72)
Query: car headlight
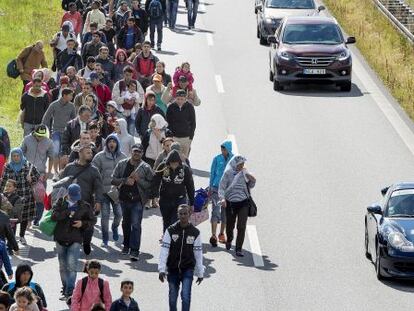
(285, 56)
(398, 241)
(343, 56)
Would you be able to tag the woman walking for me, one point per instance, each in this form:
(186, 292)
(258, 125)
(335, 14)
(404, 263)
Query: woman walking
(26, 176)
(234, 192)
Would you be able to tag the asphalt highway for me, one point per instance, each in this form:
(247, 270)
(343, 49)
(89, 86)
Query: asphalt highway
(320, 157)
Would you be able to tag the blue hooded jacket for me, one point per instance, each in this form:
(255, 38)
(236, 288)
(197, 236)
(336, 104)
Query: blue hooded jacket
(219, 164)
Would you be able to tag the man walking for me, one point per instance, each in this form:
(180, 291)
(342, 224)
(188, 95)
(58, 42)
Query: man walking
(68, 57)
(73, 216)
(30, 58)
(90, 180)
(182, 121)
(144, 65)
(58, 114)
(192, 11)
(133, 177)
(182, 257)
(105, 161)
(155, 9)
(38, 148)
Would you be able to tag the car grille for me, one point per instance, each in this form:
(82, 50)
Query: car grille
(404, 267)
(315, 61)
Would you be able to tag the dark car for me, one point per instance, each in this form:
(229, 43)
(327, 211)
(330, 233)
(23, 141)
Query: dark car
(271, 12)
(310, 48)
(389, 232)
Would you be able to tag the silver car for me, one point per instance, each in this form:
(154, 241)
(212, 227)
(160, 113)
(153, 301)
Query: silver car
(271, 12)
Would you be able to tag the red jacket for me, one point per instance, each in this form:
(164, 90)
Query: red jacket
(103, 93)
(145, 67)
(75, 19)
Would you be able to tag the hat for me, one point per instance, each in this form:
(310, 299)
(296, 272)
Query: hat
(74, 192)
(157, 78)
(181, 93)
(41, 131)
(64, 80)
(93, 76)
(113, 104)
(182, 79)
(137, 147)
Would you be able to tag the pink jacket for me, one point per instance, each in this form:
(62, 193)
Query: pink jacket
(179, 72)
(91, 296)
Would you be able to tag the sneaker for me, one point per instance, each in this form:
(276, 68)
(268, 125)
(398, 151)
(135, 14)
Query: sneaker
(213, 241)
(115, 234)
(159, 48)
(23, 241)
(228, 245)
(239, 253)
(104, 244)
(35, 224)
(134, 255)
(87, 248)
(64, 297)
(222, 238)
(125, 251)
(152, 45)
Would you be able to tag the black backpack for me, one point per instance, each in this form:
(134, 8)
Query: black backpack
(155, 9)
(12, 70)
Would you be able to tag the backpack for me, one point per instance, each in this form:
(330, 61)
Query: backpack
(12, 70)
(155, 9)
(200, 200)
(83, 288)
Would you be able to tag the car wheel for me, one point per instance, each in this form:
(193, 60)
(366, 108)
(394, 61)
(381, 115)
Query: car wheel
(271, 75)
(277, 86)
(367, 254)
(346, 87)
(378, 264)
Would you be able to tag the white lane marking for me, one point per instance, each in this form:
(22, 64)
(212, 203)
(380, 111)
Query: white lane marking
(386, 107)
(219, 84)
(209, 37)
(202, 7)
(234, 146)
(255, 246)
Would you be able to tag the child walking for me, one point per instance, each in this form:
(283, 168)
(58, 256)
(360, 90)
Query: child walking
(25, 300)
(126, 302)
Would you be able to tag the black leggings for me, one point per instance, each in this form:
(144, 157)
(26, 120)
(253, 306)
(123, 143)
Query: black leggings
(23, 227)
(239, 211)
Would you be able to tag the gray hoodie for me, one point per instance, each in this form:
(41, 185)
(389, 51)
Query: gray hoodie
(37, 152)
(58, 115)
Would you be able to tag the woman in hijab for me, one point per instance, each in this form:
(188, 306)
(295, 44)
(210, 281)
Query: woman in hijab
(26, 175)
(234, 192)
(126, 140)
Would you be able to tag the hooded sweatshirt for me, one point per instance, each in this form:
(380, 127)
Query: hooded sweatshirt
(105, 161)
(219, 164)
(58, 114)
(34, 106)
(174, 184)
(13, 286)
(154, 147)
(233, 185)
(126, 140)
(37, 151)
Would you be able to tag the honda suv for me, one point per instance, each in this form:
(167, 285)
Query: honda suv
(271, 12)
(310, 48)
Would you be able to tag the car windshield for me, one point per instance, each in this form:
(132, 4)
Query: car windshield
(401, 204)
(291, 4)
(312, 34)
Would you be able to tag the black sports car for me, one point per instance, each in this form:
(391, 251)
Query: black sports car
(389, 232)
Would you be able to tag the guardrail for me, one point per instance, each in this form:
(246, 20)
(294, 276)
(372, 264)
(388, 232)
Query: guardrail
(403, 19)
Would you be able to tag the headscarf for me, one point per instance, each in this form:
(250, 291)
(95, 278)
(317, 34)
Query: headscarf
(159, 121)
(17, 166)
(234, 161)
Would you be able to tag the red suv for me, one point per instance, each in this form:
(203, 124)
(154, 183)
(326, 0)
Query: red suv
(310, 48)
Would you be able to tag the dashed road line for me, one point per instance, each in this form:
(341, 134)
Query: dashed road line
(219, 84)
(255, 246)
(210, 40)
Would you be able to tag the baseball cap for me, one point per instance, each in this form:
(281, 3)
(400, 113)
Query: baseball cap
(182, 79)
(41, 131)
(137, 147)
(74, 192)
(157, 78)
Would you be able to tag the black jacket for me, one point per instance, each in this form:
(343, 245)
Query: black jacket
(181, 121)
(141, 19)
(34, 106)
(174, 184)
(70, 135)
(119, 305)
(121, 39)
(64, 60)
(6, 232)
(65, 233)
(143, 118)
(183, 242)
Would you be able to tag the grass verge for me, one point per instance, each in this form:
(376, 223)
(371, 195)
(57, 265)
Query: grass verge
(385, 49)
(22, 22)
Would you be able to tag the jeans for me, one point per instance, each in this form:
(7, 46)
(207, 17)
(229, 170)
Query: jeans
(130, 125)
(105, 214)
(167, 11)
(239, 210)
(68, 257)
(156, 24)
(56, 138)
(39, 212)
(168, 208)
(173, 12)
(192, 12)
(174, 280)
(131, 224)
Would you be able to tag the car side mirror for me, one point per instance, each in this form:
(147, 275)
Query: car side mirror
(375, 209)
(321, 8)
(384, 191)
(350, 40)
(272, 39)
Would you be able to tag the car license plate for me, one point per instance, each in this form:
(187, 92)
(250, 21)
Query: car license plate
(314, 71)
